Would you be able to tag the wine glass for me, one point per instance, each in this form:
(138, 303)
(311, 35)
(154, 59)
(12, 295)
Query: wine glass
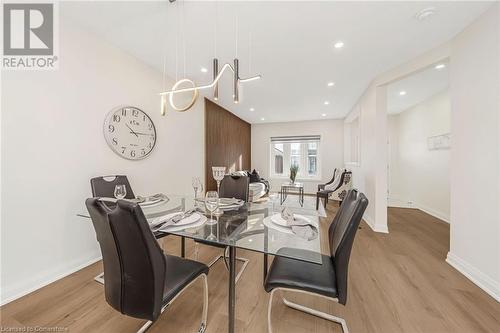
(196, 186)
(211, 237)
(218, 173)
(120, 191)
(211, 204)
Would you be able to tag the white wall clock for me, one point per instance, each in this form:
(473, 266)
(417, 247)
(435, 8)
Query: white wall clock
(129, 132)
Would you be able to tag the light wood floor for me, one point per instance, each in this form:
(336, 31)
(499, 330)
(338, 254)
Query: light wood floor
(399, 282)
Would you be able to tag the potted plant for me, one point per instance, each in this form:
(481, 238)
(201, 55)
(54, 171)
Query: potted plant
(293, 172)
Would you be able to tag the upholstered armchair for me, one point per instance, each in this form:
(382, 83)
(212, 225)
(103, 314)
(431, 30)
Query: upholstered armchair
(336, 172)
(336, 190)
(344, 186)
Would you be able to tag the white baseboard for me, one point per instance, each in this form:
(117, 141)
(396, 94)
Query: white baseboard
(397, 203)
(377, 228)
(483, 281)
(34, 283)
(439, 215)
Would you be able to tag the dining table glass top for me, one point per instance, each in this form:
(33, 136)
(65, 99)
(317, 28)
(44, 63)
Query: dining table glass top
(250, 227)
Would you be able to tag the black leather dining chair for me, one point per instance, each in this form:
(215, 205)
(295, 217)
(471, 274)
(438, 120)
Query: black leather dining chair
(104, 186)
(232, 186)
(141, 281)
(328, 280)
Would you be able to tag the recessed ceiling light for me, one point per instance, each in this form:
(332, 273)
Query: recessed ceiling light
(339, 44)
(204, 70)
(252, 109)
(323, 115)
(425, 13)
(402, 93)
(330, 84)
(326, 102)
(440, 66)
(262, 119)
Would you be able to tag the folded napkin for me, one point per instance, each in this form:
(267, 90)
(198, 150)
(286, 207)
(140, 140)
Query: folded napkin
(300, 227)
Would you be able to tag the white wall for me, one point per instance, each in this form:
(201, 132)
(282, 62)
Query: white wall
(475, 154)
(52, 144)
(370, 176)
(331, 147)
(365, 172)
(419, 177)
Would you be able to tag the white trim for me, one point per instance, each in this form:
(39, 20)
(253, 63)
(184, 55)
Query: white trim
(26, 287)
(439, 215)
(483, 281)
(377, 228)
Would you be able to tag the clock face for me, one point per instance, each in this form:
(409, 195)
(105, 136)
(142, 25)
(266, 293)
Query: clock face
(130, 132)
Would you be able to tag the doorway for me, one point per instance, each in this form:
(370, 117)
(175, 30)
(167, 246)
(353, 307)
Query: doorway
(418, 141)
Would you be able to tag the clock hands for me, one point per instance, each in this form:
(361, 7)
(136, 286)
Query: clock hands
(144, 133)
(132, 131)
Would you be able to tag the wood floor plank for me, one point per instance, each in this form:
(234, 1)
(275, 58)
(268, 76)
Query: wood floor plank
(398, 282)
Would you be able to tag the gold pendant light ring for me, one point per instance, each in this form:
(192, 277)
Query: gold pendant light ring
(191, 103)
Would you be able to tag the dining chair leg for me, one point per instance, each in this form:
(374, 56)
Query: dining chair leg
(204, 314)
(269, 305)
(100, 278)
(305, 309)
(145, 327)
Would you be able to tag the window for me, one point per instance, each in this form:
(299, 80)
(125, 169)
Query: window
(312, 158)
(302, 151)
(278, 158)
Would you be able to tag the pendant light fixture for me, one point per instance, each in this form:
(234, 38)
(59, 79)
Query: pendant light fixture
(237, 80)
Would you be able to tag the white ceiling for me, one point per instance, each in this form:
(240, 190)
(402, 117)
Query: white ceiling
(418, 87)
(291, 45)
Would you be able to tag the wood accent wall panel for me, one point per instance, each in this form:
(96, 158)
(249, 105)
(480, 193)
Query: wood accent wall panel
(227, 142)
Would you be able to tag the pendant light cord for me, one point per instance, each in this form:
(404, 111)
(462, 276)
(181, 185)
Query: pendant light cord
(237, 26)
(215, 29)
(176, 43)
(250, 52)
(164, 85)
(184, 37)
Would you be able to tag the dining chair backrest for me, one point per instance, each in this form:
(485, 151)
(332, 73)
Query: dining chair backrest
(341, 235)
(105, 186)
(134, 264)
(235, 187)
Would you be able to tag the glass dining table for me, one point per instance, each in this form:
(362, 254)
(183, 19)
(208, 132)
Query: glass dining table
(250, 228)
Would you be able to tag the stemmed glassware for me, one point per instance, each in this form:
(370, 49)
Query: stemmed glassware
(120, 191)
(218, 173)
(197, 186)
(211, 204)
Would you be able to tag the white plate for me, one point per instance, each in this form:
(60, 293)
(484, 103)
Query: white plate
(188, 220)
(270, 224)
(277, 219)
(176, 227)
(224, 202)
